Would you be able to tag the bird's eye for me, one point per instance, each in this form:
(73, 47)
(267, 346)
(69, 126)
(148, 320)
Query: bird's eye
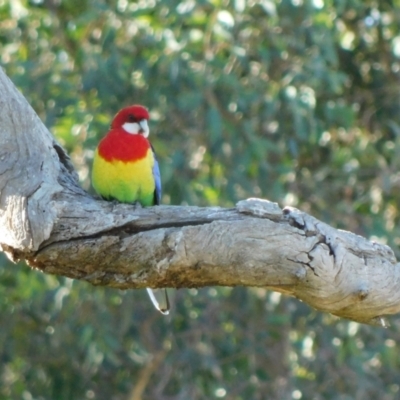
(131, 118)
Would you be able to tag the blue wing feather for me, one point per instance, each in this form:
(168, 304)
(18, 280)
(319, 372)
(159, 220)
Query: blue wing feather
(157, 179)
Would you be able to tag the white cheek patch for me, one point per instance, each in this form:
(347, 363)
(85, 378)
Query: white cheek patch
(131, 127)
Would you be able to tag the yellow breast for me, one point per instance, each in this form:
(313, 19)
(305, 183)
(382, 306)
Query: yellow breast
(126, 182)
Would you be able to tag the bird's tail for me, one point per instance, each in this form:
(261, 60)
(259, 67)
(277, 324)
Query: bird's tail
(159, 298)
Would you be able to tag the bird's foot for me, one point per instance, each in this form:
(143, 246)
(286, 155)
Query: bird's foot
(137, 205)
(114, 203)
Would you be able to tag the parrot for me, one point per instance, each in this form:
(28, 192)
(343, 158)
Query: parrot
(125, 169)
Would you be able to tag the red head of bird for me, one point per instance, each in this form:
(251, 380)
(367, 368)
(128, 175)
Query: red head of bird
(133, 120)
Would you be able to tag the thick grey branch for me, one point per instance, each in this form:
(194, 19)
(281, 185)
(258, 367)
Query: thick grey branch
(48, 220)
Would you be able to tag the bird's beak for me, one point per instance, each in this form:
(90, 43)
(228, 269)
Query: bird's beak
(144, 128)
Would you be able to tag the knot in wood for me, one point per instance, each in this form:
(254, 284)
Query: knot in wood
(362, 293)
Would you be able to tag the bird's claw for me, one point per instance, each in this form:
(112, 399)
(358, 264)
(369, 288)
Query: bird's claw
(137, 204)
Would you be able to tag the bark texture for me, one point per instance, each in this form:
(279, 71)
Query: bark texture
(48, 220)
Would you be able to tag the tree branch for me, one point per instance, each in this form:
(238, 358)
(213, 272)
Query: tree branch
(48, 220)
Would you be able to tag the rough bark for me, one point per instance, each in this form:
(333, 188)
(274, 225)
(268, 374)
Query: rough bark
(48, 220)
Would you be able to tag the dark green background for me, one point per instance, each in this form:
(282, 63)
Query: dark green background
(295, 101)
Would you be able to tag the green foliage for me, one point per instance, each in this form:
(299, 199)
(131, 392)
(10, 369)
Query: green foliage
(294, 101)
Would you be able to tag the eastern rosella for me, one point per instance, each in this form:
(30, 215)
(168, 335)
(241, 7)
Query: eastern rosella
(125, 169)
